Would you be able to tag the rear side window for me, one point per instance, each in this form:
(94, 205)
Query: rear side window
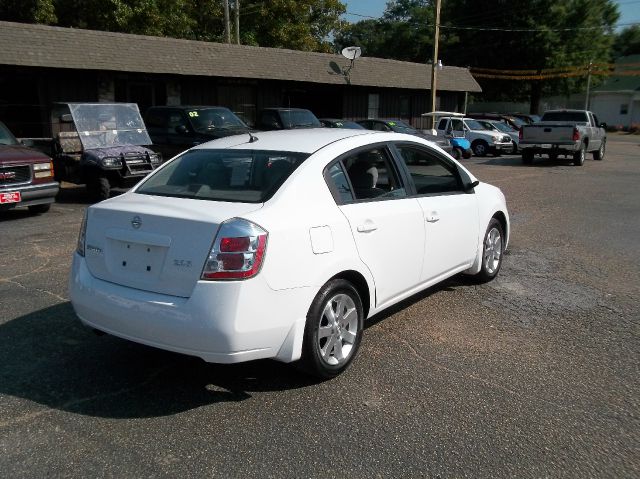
(244, 176)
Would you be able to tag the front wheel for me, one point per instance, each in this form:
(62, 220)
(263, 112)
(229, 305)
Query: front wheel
(480, 148)
(334, 329)
(99, 188)
(598, 155)
(492, 252)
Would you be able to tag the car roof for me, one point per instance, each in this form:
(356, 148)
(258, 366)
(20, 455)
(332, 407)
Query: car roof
(184, 107)
(277, 108)
(307, 140)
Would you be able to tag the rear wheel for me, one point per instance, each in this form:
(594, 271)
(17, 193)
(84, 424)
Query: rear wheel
(37, 209)
(334, 329)
(578, 156)
(99, 187)
(527, 157)
(598, 155)
(457, 154)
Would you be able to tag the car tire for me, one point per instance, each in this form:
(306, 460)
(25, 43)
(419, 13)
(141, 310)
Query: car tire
(38, 209)
(457, 154)
(578, 156)
(598, 155)
(99, 188)
(333, 331)
(492, 252)
(480, 148)
(527, 157)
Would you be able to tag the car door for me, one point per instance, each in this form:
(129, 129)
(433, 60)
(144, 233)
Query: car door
(594, 133)
(450, 215)
(386, 224)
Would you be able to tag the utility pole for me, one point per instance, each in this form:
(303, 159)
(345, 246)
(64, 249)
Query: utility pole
(586, 99)
(227, 26)
(434, 64)
(237, 17)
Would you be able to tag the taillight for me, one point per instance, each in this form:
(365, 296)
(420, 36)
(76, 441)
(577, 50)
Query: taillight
(237, 252)
(82, 236)
(520, 133)
(576, 134)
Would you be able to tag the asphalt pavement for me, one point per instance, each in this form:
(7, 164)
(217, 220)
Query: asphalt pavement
(535, 374)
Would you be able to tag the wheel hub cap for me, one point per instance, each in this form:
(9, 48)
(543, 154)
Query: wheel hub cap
(338, 329)
(492, 250)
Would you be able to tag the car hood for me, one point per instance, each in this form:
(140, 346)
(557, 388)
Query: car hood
(100, 153)
(20, 154)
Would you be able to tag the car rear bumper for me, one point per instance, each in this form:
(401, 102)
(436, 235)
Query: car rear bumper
(221, 322)
(545, 148)
(32, 194)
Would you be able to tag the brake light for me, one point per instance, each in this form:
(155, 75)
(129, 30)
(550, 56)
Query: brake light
(237, 252)
(520, 133)
(576, 134)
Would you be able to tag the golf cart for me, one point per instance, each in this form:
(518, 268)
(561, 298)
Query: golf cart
(100, 145)
(461, 146)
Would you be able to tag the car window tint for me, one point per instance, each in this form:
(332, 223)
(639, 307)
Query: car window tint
(457, 125)
(430, 174)
(443, 124)
(250, 176)
(372, 175)
(339, 184)
(380, 127)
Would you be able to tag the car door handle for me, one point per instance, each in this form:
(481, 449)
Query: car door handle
(433, 217)
(367, 227)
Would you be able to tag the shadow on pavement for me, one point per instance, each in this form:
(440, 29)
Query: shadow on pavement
(516, 161)
(49, 358)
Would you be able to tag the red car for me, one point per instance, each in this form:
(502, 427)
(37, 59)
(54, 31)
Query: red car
(26, 176)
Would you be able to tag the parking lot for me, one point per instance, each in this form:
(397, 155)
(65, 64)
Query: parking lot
(532, 375)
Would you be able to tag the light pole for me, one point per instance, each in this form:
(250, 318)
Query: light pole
(436, 64)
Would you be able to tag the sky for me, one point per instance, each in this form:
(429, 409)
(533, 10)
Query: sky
(629, 9)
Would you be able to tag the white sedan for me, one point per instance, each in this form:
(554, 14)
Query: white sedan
(281, 244)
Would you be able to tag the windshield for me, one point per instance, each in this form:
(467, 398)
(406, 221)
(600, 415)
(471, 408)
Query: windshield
(570, 116)
(6, 138)
(244, 176)
(476, 125)
(400, 126)
(299, 119)
(207, 119)
(488, 125)
(103, 125)
(503, 127)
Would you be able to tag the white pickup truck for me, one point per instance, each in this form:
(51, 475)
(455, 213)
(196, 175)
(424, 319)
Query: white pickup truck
(571, 133)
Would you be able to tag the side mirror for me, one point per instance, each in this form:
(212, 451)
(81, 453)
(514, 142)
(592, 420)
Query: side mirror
(182, 129)
(603, 125)
(470, 186)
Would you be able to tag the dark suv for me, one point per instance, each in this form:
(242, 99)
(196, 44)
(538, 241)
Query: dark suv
(26, 176)
(174, 129)
(286, 119)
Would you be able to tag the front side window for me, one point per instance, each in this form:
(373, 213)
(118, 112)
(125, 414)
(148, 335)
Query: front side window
(430, 174)
(244, 176)
(372, 175)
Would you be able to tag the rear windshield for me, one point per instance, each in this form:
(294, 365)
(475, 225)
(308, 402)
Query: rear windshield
(571, 116)
(243, 176)
(299, 118)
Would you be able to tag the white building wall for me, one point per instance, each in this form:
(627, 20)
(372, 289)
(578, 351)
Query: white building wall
(608, 108)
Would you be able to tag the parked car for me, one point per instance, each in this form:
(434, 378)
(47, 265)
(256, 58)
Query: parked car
(280, 247)
(401, 126)
(528, 118)
(26, 176)
(337, 123)
(503, 128)
(571, 133)
(101, 145)
(512, 120)
(286, 119)
(461, 146)
(174, 129)
(483, 140)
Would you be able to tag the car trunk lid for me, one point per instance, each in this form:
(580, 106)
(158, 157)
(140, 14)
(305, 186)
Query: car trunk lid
(154, 243)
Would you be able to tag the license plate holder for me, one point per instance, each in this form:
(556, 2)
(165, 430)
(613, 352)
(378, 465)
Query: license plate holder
(10, 197)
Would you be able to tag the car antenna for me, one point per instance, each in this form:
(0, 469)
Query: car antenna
(252, 139)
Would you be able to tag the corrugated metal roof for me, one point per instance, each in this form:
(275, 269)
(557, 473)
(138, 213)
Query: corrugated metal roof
(55, 47)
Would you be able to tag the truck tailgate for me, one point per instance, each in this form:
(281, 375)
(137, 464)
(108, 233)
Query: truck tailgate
(547, 134)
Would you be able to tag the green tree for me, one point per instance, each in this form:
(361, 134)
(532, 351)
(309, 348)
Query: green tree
(28, 11)
(627, 42)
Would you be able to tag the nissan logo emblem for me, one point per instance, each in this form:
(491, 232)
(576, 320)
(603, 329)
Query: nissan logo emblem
(136, 222)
